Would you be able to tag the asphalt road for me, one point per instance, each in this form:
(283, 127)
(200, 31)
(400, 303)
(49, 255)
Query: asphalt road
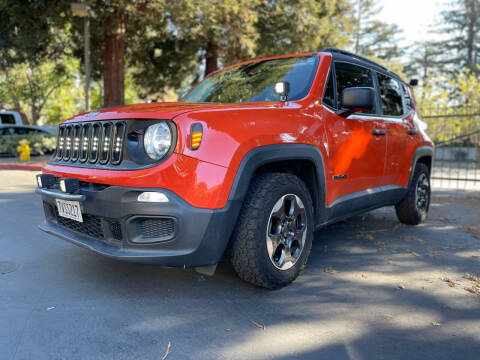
(371, 290)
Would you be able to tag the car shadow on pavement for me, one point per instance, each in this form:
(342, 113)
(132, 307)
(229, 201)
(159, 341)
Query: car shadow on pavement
(372, 289)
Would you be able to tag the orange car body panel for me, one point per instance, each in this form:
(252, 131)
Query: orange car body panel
(204, 177)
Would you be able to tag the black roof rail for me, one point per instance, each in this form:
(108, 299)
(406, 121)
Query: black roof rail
(344, 52)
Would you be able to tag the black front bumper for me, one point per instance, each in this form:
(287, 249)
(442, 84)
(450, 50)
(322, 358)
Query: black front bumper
(118, 226)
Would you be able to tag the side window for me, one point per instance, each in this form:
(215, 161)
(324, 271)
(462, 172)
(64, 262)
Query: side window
(407, 96)
(329, 93)
(349, 75)
(7, 119)
(391, 95)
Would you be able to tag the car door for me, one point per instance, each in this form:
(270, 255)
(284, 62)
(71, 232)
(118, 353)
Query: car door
(398, 117)
(356, 144)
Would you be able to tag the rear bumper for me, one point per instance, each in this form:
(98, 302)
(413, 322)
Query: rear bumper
(118, 226)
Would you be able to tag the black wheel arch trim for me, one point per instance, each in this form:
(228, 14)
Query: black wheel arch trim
(422, 151)
(263, 155)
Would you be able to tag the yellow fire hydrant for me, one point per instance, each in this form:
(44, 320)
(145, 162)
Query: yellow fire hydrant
(24, 149)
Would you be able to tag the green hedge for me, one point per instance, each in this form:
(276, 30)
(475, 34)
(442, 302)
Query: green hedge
(40, 144)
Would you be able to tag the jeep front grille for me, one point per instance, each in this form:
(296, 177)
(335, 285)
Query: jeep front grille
(93, 142)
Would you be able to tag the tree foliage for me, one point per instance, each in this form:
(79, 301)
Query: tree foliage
(301, 26)
(461, 26)
(29, 85)
(373, 37)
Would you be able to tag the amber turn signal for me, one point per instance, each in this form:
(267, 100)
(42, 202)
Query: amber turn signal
(196, 134)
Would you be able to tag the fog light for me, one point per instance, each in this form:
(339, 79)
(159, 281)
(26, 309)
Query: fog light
(69, 185)
(45, 180)
(151, 196)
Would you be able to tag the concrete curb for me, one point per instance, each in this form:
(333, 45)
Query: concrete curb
(30, 167)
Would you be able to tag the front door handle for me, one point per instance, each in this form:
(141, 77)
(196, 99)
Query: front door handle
(379, 132)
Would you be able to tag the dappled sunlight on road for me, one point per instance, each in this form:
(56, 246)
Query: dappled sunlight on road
(372, 289)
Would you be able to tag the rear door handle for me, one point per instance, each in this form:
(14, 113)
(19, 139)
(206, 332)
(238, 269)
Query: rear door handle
(378, 132)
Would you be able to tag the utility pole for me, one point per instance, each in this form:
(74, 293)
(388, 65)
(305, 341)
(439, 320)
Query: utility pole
(82, 10)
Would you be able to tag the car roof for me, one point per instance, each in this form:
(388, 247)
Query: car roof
(342, 55)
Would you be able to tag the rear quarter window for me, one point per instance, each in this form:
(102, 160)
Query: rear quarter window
(391, 95)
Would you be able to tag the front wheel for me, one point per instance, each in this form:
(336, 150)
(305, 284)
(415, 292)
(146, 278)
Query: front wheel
(414, 207)
(273, 235)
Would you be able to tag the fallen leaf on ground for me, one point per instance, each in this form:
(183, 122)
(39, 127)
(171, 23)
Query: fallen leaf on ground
(428, 280)
(50, 308)
(435, 323)
(401, 286)
(388, 315)
(473, 230)
(411, 238)
(330, 270)
(258, 325)
(472, 277)
(412, 253)
(447, 220)
(167, 351)
(362, 235)
(450, 282)
(364, 276)
(473, 289)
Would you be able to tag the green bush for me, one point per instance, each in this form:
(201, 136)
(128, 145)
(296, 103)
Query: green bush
(39, 143)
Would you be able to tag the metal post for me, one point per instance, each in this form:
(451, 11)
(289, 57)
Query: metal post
(87, 62)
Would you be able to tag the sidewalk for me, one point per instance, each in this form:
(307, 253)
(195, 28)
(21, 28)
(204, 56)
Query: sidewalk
(13, 163)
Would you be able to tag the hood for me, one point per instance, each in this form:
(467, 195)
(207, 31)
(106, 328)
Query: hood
(162, 110)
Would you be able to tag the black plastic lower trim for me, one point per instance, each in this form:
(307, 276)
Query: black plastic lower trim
(200, 237)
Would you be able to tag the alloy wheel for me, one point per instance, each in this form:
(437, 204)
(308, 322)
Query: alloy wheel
(286, 232)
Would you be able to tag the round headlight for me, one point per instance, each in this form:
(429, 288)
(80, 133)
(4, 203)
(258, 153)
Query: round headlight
(157, 140)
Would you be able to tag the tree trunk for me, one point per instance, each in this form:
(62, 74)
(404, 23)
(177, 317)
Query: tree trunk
(211, 58)
(471, 29)
(114, 62)
(357, 32)
(35, 112)
(18, 108)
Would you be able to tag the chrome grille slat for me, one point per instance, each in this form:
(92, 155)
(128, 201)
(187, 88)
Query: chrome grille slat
(85, 142)
(117, 143)
(106, 141)
(60, 143)
(67, 149)
(99, 142)
(75, 143)
(94, 143)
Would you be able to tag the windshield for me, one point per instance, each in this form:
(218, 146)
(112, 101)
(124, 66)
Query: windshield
(255, 81)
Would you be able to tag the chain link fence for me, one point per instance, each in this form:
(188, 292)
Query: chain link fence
(456, 133)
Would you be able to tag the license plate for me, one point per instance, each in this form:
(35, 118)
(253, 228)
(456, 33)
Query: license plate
(69, 209)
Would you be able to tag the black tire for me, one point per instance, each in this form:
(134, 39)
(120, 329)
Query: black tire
(408, 210)
(250, 257)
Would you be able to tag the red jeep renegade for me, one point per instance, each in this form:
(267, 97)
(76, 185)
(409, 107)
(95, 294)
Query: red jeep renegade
(254, 159)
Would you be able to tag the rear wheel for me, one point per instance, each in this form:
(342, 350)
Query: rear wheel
(273, 235)
(414, 207)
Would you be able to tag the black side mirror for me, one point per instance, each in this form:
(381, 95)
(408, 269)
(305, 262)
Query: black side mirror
(356, 99)
(282, 88)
